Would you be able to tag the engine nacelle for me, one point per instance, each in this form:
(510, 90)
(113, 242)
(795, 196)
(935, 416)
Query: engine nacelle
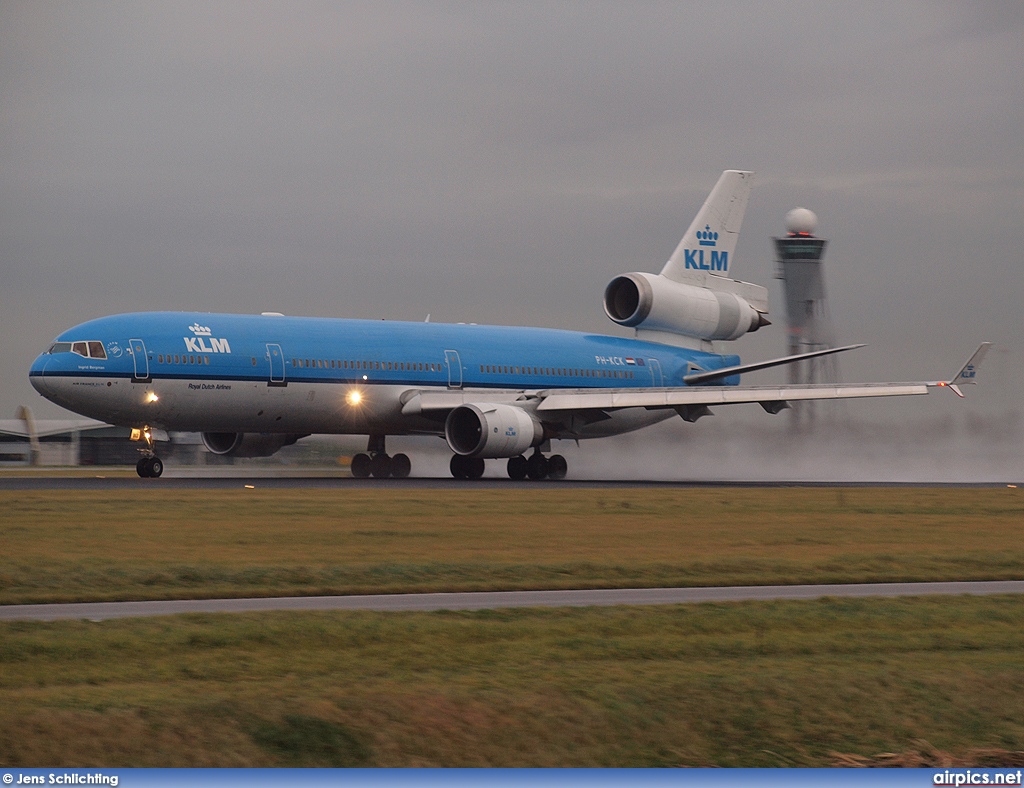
(247, 444)
(652, 302)
(491, 430)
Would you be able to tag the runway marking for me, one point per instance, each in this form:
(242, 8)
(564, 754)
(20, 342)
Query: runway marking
(484, 600)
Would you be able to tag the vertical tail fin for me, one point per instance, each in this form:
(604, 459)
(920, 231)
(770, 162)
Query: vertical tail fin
(710, 242)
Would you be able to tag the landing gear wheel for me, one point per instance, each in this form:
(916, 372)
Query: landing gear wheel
(517, 467)
(401, 466)
(557, 467)
(537, 467)
(380, 466)
(150, 467)
(466, 467)
(361, 466)
(474, 467)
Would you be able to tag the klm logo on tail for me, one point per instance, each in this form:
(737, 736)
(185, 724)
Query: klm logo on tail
(716, 260)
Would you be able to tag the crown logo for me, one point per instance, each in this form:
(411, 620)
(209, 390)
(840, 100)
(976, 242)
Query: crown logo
(198, 330)
(705, 237)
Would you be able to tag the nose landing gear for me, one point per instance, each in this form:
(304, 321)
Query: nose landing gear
(149, 465)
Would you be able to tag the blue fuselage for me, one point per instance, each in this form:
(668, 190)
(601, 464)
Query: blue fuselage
(270, 373)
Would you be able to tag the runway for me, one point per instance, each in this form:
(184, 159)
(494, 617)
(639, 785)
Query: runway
(238, 479)
(485, 600)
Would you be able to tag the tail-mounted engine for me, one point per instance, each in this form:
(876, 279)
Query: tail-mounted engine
(724, 309)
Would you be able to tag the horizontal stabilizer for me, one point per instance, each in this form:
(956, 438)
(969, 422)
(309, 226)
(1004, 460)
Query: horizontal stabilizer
(725, 372)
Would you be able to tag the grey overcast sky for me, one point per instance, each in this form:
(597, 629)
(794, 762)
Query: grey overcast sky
(501, 161)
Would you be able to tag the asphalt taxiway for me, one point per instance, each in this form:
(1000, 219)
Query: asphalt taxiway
(487, 600)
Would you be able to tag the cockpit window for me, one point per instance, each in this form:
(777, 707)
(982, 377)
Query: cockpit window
(84, 349)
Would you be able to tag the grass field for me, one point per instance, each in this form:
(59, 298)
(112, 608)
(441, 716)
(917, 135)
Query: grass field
(787, 683)
(154, 544)
(784, 683)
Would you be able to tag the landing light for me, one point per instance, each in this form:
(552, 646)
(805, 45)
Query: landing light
(354, 397)
(152, 396)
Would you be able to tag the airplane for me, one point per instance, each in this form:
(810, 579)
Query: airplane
(252, 384)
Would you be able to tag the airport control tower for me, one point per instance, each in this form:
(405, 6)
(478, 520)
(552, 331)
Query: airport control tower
(809, 326)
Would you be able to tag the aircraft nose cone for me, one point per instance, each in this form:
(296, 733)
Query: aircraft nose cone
(37, 378)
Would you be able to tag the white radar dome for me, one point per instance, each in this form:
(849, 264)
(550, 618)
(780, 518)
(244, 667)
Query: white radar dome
(801, 220)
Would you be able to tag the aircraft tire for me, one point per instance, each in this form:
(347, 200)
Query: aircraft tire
(380, 466)
(142, 467)
(474, 467)
(457, 466)
(517, 467)
(557, 467)
(401, 466)
(361, 466)
(537, 467)
(155, 466)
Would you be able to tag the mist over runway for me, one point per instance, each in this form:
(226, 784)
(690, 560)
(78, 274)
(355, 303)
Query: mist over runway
(737, 446)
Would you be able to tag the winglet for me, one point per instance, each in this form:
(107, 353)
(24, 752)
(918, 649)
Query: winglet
(969, 372)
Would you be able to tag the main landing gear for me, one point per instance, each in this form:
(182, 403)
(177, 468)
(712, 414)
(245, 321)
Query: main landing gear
(378, 464)
(537, 467)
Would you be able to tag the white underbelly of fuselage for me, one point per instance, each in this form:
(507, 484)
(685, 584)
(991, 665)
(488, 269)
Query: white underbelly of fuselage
(205, 405)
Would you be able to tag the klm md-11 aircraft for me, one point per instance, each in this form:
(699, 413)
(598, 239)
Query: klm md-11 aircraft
(252, 384)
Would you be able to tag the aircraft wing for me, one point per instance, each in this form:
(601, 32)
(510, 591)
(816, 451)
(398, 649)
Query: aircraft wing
(693, 401)
(605, 399)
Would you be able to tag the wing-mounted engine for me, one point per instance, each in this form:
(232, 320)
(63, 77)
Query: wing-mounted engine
(693, 299)
(652, 303)
(247, 444)
(490, 430)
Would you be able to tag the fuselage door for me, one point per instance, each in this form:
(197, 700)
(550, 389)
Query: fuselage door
(655, 367)
(141, 359)
(276, 357)
(454, 363)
